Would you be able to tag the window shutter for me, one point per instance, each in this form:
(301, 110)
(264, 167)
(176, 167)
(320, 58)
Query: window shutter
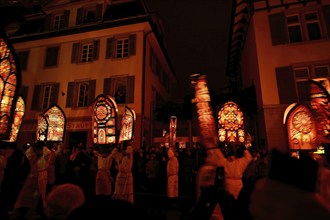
(54, 94)
(132, 44)
(286, 85)
(96, 46)
(326, 14)
(75, 52)
(36, 98)
(278, 29)
(107, 86)
(24, 92)
(110, 49)
(66, 18)
(51, 56)
(130, 89)
(98, 13)
(70, 95)
(80, 15)
(91, 91)
(23, 59)
(48, 22)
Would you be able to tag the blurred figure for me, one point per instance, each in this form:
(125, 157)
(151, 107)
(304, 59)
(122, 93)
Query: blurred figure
(172, 176)
(62, 159)
(152, 170)
(35, 184)
(273, 200)
(14, 169)
(124, 180)
(62, 200)
(103, 184)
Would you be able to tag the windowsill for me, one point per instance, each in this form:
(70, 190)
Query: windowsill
(308, 42)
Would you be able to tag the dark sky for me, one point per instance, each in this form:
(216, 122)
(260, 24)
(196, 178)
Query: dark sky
(196, 36)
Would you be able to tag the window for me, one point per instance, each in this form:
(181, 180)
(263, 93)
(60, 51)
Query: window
(318, 73)
(313, 26)
(45, 95)
(58, 21)
(85, 52)
(51, 56)
(122, 47)
(303, 25)
(294, 28)
(83, 94)
(87, 14)
(23, 59)
(121, 88)
(80, 93)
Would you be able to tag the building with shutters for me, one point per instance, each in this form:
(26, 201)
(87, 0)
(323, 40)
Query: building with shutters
(276, 47)
(72, 51)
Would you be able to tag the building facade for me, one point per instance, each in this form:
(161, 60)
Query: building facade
(276, 47)
(72, 51)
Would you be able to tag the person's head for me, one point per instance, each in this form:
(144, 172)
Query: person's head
(231, 155)
(62, 200)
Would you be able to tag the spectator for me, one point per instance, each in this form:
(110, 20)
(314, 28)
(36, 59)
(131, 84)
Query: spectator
(172, 176)
(152, 170)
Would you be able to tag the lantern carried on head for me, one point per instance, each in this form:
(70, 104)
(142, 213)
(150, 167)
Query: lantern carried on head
(11, 112)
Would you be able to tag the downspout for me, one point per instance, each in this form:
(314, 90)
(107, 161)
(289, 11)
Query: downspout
(143, 85)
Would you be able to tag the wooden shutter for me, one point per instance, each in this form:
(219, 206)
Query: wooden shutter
(110, 52)
(24, 92)
(278, 29)
(132, 44)
(51, 56)
(98, 13)
(36, 98)
(96, 46)
(70, 95)
(107, 86)
(130, 89)
(75, 52)
(48, 20)
(286, 85)
(326, 14)
(23, 59)
(66, 18)
(80, 16)
(54, 95)
(91, 91)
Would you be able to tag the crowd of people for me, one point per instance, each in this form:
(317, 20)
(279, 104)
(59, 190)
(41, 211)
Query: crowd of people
(55, 181)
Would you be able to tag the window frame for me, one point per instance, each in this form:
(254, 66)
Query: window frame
(49, 53)
(303, 24)
(23, 60)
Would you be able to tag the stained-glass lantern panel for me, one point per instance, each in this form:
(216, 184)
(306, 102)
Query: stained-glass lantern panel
(18, 117)
(56, 123)
(104, 120)
(301, 129)
(231, 123)
(42, 128)
(320, 105)
(8, 87)
(127, 125)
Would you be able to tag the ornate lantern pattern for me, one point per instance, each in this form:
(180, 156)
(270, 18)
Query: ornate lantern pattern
(127, 125)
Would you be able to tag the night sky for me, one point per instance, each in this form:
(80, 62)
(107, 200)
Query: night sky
(196, 36)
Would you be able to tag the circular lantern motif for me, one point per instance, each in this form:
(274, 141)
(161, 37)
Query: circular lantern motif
(302, 122)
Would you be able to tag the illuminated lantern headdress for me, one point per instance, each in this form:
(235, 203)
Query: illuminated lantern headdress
(10, 81)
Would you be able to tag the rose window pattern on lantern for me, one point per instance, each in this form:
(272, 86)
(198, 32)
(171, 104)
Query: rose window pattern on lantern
(104, 120)
(42, 128)
(231, 123)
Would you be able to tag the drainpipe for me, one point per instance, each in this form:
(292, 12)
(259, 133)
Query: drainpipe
(143, 85)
